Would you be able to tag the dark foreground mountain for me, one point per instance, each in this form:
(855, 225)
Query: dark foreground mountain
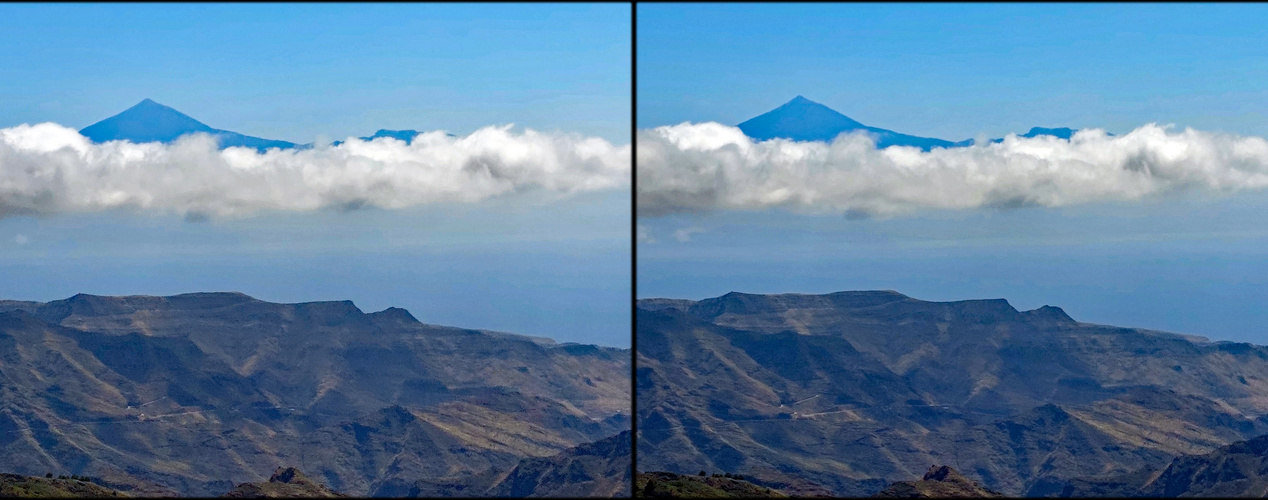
(149, 121)
(939, 482)
(668, 484)
(1236, 470)
(598, 469)
(194, 394)
(804, 120)
(17, 486)
(286, 482)
(853, 391)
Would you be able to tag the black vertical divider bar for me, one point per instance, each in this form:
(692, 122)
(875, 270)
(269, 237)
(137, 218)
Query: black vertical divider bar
(633, 244)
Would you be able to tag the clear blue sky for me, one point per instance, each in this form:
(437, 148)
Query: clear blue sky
(1194, 264)
(955, 70)
(299, 72)
(296, 71)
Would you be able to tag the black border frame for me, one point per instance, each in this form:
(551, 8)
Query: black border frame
(633, 246)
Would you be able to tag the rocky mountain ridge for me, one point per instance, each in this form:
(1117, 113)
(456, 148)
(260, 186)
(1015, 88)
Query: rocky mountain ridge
(852, 391)
(193, 394)
(1236, 470)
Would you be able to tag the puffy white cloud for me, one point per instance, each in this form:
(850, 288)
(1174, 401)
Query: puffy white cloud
(48, 168)
(709, 166)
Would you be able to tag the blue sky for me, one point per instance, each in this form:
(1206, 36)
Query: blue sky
(525, 263)
(955, 70)
(1192, 263)
(298, 71)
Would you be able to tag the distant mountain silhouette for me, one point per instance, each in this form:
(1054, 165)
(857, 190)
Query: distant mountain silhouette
(1060, 133)
(1063, 132)
(150, 121)
(804, 120)
(404, 135)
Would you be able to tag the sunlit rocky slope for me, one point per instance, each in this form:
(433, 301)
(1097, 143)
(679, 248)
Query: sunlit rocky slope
(849, 392)
(194, 394)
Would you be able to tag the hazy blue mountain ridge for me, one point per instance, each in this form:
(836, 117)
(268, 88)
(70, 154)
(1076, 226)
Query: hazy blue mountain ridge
(149, 121)
(804, 120)
(799, 119)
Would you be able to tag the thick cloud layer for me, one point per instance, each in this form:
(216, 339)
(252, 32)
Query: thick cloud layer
(709, 166)
(48, 168)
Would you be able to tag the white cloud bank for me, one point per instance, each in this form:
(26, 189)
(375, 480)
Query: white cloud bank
(48, 168)
(709, 166)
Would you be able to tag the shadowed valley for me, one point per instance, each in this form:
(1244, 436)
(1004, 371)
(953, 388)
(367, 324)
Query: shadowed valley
(1236, 470)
